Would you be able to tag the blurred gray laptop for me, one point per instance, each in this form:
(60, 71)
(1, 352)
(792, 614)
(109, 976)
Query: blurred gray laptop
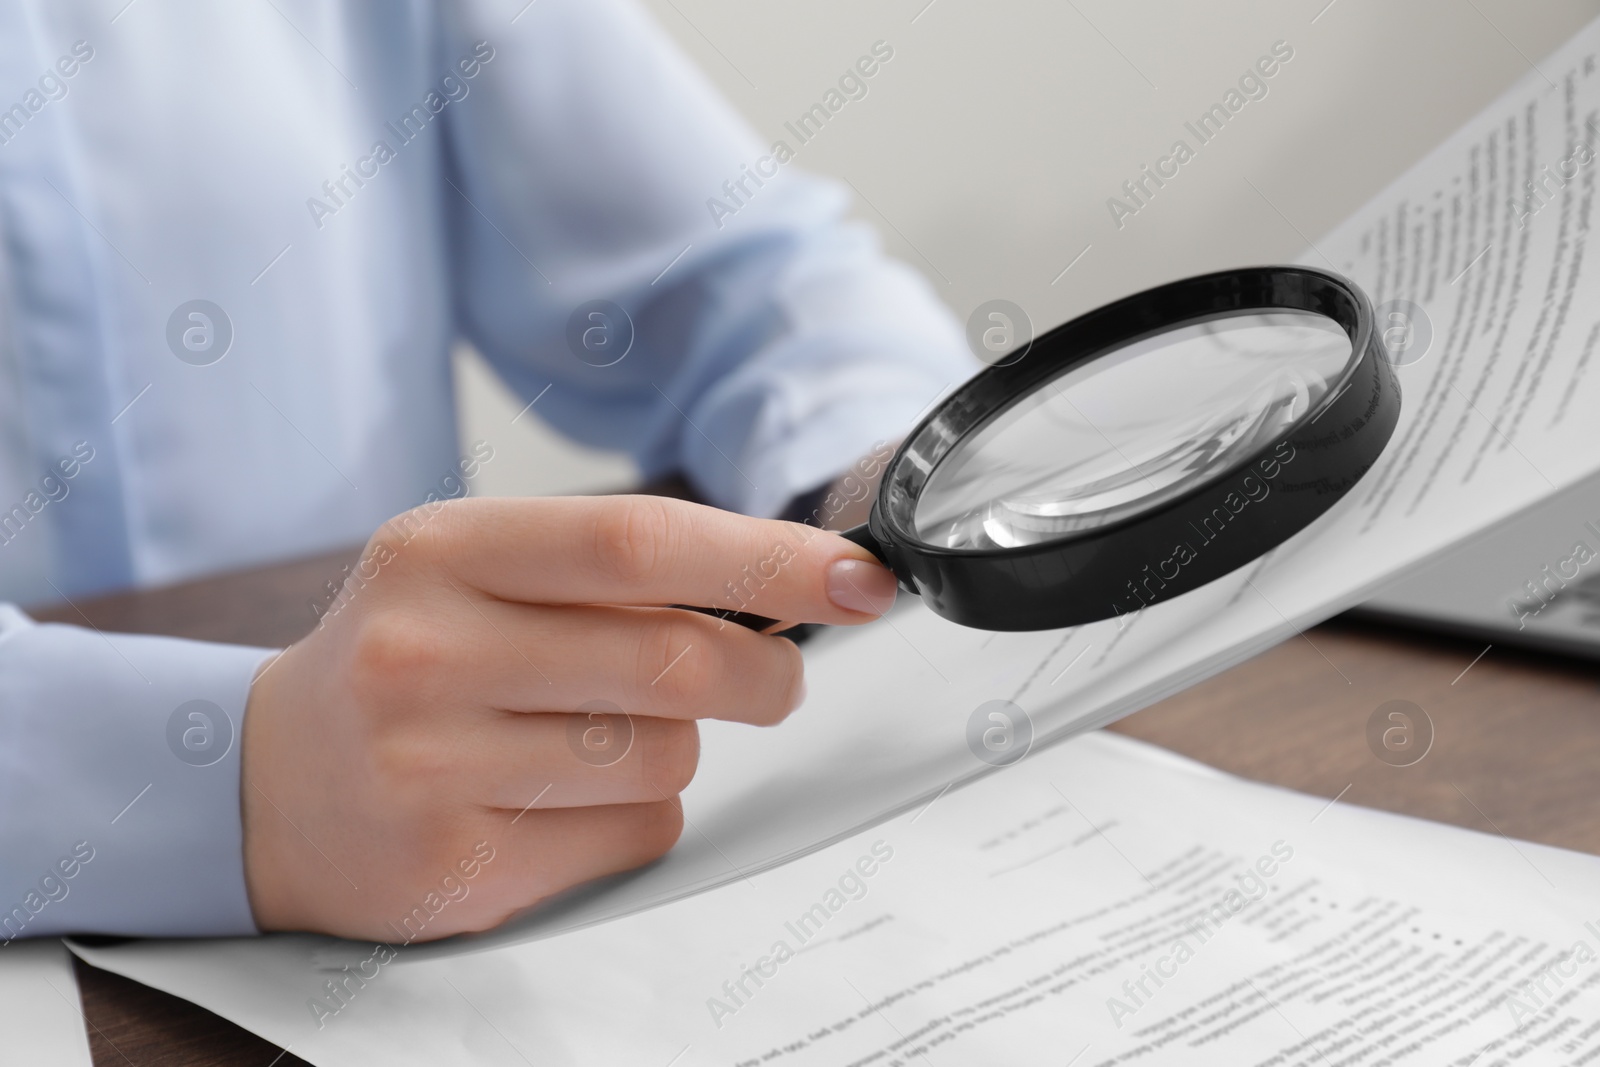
(1532, 581)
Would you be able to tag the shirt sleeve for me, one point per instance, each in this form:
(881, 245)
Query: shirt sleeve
(770, 342)
(119, 794)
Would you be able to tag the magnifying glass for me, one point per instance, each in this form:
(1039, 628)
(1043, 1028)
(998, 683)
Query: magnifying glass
(1138, 452)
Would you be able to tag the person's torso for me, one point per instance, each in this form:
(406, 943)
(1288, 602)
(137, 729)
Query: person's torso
(224, 315)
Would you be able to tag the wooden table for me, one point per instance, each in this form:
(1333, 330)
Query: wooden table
(1516, 739)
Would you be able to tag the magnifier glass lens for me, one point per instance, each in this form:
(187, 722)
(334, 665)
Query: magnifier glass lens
(1126, 432)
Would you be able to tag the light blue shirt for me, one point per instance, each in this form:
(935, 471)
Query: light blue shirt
(237, 242)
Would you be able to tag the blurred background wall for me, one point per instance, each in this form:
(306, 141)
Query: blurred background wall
(987, 148)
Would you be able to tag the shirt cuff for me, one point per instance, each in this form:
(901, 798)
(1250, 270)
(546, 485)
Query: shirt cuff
(119, 783)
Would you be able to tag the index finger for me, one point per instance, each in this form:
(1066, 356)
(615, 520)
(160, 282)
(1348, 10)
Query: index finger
(644, 550)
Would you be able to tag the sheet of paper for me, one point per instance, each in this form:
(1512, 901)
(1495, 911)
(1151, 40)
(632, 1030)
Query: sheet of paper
(40, 1016)
(1092, 905)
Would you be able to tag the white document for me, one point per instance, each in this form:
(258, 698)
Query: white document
(1097, 903)
(41, 1020)
(1497, 414)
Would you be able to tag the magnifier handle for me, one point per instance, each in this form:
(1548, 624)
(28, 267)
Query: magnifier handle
(760, 623)
(862, 536)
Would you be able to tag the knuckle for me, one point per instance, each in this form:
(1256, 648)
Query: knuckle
(631, 539)
(418, 537)
(671, 755)
(433, 850)
(456, 833)
(677, 659)
(414, 774)
(394, 650)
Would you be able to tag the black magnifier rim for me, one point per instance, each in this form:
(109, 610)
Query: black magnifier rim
(1122, 566)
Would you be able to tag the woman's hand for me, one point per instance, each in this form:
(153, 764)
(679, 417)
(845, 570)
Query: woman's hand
(499, 705)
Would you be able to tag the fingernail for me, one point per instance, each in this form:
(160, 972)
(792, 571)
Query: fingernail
(857, 585)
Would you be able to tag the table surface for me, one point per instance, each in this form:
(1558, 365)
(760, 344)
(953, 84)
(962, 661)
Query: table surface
(1515, 737)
